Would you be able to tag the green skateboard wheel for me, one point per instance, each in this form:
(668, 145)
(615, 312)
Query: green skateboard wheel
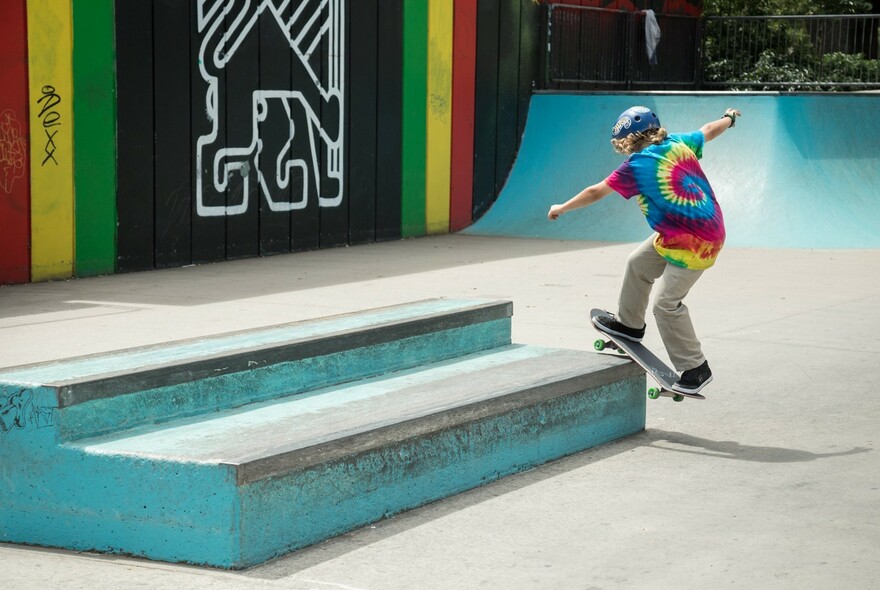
(599, 345)
(653, 393)
(677, 397)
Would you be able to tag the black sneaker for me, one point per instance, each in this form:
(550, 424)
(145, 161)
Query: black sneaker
(694, 380)
(610, 325)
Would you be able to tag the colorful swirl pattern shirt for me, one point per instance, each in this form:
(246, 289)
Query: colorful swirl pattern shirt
(676, 199)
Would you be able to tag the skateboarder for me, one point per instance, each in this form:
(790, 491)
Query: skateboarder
(663, 171)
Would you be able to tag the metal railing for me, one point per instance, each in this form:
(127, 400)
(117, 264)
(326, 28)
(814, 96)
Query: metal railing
(791, 52)
(587, 48)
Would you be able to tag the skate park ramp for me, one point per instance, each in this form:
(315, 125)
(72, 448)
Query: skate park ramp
(797, 171)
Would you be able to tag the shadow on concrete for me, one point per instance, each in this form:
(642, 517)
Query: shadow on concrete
(728, 449)
(291, 564)
(303, 559)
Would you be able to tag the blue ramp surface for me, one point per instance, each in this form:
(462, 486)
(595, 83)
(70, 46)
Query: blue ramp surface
(797, 171)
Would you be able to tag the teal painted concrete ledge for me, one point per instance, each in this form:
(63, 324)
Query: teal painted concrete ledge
(283, 514)
(232, 470)
(89, 396)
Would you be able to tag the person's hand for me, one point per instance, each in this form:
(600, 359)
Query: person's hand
(734, 112)
(555, 212)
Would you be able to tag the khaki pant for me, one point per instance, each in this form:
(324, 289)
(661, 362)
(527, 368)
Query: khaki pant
(643, 267)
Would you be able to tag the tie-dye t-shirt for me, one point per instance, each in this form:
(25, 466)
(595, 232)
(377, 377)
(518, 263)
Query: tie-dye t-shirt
(676, 199)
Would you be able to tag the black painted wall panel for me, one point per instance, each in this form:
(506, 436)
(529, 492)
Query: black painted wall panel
(280, 117)
(134, 133)
(242, 80)
(529, 52)
(306, 223)
(486, 105)
(333, 219)
(274, 132)
(208, 232)
(506, 68)
(362, 114)
(171, 38)
(389, 105)
(506, 134)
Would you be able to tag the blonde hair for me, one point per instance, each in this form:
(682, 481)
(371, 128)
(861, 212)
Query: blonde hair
(636, 142)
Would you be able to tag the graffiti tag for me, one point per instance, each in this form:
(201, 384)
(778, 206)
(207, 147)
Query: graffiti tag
(13, 150)
(50, 118)
(18, 411)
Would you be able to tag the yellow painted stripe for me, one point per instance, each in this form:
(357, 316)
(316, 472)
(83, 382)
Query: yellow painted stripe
(51, 101)
(439, 122)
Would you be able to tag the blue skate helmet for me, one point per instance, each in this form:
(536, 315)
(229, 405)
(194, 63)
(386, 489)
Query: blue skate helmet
(634, 120)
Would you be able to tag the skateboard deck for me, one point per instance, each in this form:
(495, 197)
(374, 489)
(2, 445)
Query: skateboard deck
(653, 366)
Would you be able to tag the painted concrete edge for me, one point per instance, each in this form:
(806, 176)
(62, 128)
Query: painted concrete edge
(52, 372)
(188, 513)
(281, 514)
(186, 370)
(278, 464)
(202, 396)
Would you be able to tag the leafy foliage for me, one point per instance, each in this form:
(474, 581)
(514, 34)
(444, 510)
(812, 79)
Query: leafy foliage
(784, 7)
(794, 54)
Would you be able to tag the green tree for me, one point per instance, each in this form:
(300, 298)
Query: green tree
(782, 53)
(784, 7)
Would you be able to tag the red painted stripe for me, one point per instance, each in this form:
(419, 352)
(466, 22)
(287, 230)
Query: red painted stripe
(14, 157)
(464, 51)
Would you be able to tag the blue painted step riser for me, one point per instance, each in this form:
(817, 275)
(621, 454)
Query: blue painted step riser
(129, 505)
(283, 514)
(109, 414)
(196, 513)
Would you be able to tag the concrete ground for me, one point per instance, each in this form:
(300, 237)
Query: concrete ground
(773, 482)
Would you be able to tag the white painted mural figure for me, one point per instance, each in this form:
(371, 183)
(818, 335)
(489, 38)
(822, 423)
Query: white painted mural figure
(309, 165)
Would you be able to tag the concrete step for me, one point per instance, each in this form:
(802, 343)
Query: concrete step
(240, 486)
(88, 396)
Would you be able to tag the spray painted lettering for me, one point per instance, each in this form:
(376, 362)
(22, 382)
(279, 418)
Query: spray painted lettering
(13, 150)
(18, 411)
(51, 119)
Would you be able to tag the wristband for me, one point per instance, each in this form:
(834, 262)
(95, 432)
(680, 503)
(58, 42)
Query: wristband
(732, 118)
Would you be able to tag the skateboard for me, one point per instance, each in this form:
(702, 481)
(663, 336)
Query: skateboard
(653, 366)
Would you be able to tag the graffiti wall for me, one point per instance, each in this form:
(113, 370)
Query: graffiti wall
(192, 131)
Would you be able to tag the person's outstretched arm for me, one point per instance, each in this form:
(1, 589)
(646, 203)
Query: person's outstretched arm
(586, 197)
(713, 129)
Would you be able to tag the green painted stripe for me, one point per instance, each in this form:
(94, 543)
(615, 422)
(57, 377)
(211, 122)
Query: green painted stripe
(415, 91)
(94, 111)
